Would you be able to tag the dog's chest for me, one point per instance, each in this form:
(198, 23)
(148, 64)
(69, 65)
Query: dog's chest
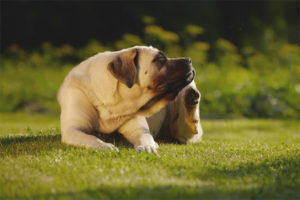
(109, 124)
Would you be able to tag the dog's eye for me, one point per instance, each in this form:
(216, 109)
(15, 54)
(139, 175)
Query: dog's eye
(160, 59)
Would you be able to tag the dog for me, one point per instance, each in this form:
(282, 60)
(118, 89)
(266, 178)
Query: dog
(138, 92)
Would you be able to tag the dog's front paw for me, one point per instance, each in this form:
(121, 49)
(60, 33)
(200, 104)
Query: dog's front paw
(147, 148)
(107, 146)
(146, 144)
(191, 97)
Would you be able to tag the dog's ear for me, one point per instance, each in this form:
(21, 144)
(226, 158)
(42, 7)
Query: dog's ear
(124, 67)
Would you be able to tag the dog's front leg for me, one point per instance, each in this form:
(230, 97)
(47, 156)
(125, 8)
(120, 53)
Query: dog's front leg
(137, 132)
(76, 137)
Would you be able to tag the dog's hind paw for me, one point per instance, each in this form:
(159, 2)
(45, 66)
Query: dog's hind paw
(192, 97)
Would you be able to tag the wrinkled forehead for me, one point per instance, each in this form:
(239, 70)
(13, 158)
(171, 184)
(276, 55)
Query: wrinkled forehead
(149, 50)
(147, 53)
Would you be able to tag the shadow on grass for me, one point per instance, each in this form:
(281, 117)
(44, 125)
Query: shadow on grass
(266, 184)
(280, 170)
(272, 178)
(171, 192)
(29, 144)
(277, 179)
(18, 145)
(163, 192)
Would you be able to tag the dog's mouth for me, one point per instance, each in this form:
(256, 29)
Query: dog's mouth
(170, 89)
(177, 84)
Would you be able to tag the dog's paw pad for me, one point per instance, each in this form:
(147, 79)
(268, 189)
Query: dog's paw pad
(192, 97)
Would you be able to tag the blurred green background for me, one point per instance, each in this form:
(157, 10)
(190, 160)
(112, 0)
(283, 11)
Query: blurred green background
(246, 54)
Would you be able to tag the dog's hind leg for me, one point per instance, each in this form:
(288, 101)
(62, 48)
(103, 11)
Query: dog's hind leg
(191, 111)
(184, 124)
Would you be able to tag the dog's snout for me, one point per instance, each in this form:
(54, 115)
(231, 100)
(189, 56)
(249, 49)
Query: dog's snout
(189, 60)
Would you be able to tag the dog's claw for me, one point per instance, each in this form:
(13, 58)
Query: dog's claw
(139, 149)
(147, 149)
(155, 151)
(116, 149)
(108, 146)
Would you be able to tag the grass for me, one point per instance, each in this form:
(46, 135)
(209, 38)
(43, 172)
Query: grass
(238, 159)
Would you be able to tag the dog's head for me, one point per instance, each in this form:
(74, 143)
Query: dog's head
(150, 74)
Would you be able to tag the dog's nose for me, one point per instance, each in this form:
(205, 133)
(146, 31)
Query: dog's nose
(189, 60)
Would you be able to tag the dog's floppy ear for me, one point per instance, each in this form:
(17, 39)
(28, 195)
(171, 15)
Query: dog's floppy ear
(124, 68)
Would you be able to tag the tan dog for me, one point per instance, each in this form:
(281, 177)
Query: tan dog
(116, 91)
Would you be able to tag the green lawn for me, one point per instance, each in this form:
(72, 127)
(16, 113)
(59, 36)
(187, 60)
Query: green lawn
(238, 159)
